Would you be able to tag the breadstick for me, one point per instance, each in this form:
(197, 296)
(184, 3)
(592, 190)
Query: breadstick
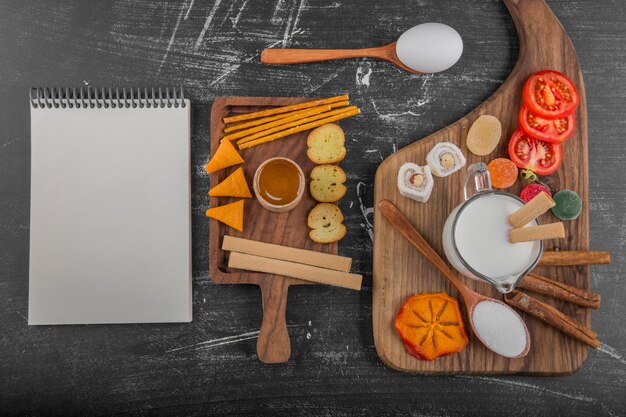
(285, 109)
(293, 124)
(302, 115)
(268, 119)
(308, 126)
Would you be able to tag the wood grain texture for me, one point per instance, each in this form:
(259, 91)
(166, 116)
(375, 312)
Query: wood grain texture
(399, 272)
(288, 229)
(210, 366)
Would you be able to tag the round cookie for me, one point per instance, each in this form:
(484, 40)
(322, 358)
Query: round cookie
(326, 144)
(326, 221)
(327, 183)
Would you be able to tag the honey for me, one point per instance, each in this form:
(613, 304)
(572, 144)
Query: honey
(279, 182)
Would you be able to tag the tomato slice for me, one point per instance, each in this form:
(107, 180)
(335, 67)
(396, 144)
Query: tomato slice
(551, 130)
(550, 94)
(527, 152)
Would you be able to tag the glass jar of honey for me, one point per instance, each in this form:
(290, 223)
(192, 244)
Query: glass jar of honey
(279, 184)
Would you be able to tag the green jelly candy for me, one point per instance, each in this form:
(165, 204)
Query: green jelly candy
(568, 205)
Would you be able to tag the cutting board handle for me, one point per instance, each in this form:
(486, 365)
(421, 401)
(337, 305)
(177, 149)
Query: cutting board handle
(273, 345)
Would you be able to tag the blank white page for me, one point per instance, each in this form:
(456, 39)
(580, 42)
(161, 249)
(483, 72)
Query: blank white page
(110, 227)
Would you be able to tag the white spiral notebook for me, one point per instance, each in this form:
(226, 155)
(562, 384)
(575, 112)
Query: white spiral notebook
(110, 215)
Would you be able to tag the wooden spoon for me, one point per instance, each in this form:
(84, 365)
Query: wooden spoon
(300, 56)
(425, 48)
(470, 297)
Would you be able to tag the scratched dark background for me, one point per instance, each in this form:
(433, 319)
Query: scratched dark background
(209, 367)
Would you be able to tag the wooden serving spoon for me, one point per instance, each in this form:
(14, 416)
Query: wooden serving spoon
(300, 56)
(425, 48)
(470, 297)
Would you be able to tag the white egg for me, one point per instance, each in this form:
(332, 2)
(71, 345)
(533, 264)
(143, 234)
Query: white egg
(429, 47)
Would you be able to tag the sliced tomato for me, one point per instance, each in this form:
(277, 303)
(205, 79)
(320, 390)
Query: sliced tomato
(527, 152)
(550, 94)
(551, 130)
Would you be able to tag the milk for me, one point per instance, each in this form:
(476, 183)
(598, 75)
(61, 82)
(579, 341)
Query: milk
(481, 240)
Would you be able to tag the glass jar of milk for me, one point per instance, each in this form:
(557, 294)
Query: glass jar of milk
(476, 235)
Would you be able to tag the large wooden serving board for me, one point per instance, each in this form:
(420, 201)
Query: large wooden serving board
(288, 229)
(399, 270)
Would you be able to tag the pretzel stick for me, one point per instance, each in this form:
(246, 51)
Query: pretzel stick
(263, 120)
(297, 129)
(285, 109)
(299, 122)
(268, 119)
(284, 121)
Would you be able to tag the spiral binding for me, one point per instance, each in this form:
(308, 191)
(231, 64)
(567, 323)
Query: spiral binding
(123, 98)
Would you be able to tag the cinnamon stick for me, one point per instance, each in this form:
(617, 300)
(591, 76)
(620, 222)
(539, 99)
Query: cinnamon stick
(574, 257)
(544, 285)
(284, 109)
(544, 231)
(297, 129)
(296, 123)
(301, 115)
(541, 203)
(553, 317)
(256, 122)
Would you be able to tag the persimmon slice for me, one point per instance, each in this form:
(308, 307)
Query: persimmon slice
(431, 326)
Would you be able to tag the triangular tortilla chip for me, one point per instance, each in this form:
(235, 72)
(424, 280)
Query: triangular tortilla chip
(229, 214)
(235, 185)
(225, 156)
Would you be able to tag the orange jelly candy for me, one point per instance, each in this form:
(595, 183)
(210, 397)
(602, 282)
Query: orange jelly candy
(503, 172)
(431, 326)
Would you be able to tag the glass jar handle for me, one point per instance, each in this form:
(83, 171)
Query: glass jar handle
(478, 175)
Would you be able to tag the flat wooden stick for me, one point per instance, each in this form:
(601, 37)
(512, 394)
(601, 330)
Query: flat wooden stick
(286, 253)
(245, 125)
(542, 232)
(531, 210)
(295, 270)
(283, 121)
(296, 123)
(553, 317)
(574, 257)
(284, 109)
(297, 129)
(555, 289)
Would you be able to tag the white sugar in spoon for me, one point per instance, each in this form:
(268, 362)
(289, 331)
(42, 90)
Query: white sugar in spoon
(494, 323)
(425, 48)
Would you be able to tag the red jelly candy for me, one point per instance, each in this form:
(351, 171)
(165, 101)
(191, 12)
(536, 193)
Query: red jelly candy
(531, 190)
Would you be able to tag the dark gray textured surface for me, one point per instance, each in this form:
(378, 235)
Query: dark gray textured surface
(210, 365)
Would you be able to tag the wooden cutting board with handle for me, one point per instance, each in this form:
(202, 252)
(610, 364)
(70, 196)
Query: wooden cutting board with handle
(400, 271)
(288, 229)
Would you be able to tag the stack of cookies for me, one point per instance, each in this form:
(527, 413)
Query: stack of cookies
(326, 148)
